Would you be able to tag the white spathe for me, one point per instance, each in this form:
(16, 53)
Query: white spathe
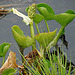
(26, 19)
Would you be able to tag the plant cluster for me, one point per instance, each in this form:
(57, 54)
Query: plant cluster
(40, 61)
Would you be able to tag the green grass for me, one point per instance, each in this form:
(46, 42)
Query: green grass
(52, 66)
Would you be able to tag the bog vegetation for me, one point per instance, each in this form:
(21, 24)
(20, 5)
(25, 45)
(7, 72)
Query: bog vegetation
(42, 61)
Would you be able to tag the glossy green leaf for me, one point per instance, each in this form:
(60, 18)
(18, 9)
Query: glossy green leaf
(4, 47)
(38, 18)
(64, 18)
(46, 11)
(45, 38)
(20, 38)
(9, 71)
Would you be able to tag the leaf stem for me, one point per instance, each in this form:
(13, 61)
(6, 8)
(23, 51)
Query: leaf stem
(47, 26)
(37, 28)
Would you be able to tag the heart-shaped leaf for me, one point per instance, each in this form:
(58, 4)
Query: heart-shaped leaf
(4, 47)
(45, 38)
(38, 18)
(64, 18)
(46, 11)
(9, 71)
(20, 38)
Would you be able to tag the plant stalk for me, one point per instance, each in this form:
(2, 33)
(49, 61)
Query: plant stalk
(32, 33)
(47, 26)
(37, 28)
(31, 28)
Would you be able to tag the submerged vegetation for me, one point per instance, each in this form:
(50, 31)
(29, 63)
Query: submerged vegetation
(42, 61)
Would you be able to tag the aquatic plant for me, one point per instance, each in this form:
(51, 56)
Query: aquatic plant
(41, 62)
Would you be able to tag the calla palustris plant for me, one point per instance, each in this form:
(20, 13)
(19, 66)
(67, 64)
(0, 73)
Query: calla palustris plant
(45, 38)
(46, 13)
(20, 38)
(4, 47)
(63, 19)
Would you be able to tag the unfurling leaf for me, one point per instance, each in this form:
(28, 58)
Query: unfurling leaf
(46, 11)
(45, 38)
(10, 62)
(4, 47)
(20, 38)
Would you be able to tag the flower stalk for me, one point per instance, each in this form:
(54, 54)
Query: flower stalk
(31, 28)
(31, 15)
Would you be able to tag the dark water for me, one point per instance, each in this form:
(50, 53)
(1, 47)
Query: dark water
(59, 6)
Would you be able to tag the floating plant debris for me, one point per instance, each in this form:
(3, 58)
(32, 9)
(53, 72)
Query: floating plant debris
(3, 11)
